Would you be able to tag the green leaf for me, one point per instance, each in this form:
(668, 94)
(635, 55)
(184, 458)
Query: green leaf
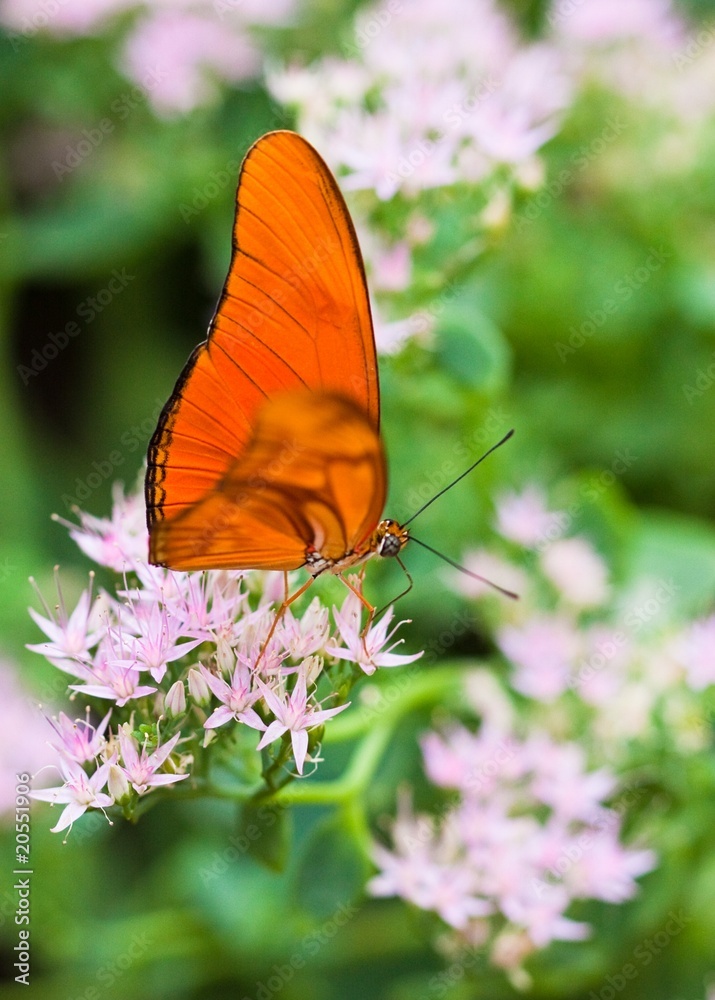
(332, 870)
(672, 547)
(473, 350)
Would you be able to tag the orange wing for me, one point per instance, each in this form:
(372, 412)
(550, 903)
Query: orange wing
(311, 478)
(294, 313)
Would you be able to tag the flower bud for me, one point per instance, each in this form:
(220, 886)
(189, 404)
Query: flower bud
(175, 701)
(199, 690)
(118, 784)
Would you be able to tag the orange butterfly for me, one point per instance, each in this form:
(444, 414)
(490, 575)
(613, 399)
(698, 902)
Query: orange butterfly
(268, 453)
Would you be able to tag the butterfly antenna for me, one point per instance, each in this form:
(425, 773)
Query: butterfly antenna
(455, 481)
(462, 569)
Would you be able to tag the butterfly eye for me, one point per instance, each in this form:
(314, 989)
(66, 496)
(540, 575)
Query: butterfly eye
(391, 538)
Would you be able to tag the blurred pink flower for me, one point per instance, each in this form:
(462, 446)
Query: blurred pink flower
(544, 650)
(522, 845)
(476, 764)
(391, 266)
(61, 17)
(600, 671)
(606, 870)
(23, 748)
(561, 782)
(695, 650)
(391, 336)
(608, 21)
(525, 517)
(429, 869)
(542, 917)
(186, 54)
(177, 51)
(577, 571)
(440, 79)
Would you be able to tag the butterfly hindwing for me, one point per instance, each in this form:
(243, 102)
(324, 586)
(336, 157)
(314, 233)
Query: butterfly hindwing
(311, 478)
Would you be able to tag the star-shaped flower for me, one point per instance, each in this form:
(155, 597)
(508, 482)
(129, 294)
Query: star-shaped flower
(293, 714)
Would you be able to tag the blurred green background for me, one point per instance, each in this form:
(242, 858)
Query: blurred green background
(112, 248)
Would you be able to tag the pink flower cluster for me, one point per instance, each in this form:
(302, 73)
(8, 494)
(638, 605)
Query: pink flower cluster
(179, 51)
(524, 832)
(574, 634)
(186, 660)
(646, 52)
(430, 93)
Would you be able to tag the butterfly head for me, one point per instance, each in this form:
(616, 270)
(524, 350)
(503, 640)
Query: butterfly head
(389, 538)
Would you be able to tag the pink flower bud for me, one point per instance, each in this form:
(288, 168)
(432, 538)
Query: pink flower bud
(198, 688)
(175, 702)
(118, 784)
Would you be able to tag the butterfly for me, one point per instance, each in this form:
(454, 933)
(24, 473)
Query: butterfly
(268, 453)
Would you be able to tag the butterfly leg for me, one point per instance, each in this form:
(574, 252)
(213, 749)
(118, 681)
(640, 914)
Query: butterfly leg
(287, 601)
(364, 601)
